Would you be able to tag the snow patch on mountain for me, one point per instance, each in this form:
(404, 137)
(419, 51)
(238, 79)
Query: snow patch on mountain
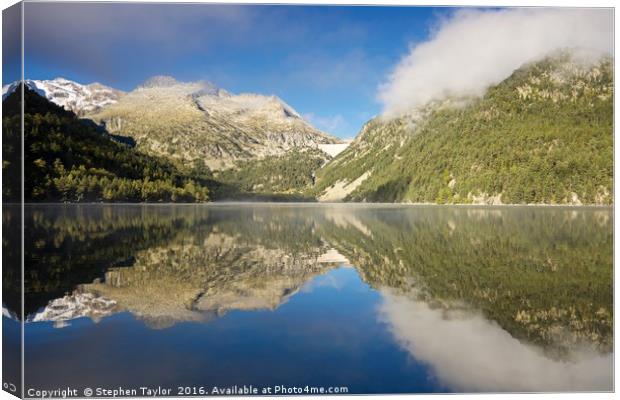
(75, 305)
(72, 96)
(8, 313)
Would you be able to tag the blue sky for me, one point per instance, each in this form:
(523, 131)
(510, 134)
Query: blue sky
(325, 61)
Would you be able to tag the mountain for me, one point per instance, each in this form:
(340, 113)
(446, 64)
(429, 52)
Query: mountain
(198, 123)
(72, 96)
(543, 135)
(199, 128)
(73, 160)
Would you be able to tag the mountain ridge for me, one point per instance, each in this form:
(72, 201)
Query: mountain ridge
(200, 128)
(195, 122)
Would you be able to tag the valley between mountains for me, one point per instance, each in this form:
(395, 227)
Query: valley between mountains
(544, 135)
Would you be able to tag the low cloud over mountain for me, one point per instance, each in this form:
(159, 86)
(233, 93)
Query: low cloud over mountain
(473, 49)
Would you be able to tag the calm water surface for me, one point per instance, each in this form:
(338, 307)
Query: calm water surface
(380, 299)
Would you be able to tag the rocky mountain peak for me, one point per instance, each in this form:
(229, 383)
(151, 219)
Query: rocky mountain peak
(189, 121)
(159, 81)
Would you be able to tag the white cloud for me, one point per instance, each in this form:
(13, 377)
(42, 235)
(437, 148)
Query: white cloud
(474, 49)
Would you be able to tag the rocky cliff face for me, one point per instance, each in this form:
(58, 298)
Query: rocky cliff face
(197, 122)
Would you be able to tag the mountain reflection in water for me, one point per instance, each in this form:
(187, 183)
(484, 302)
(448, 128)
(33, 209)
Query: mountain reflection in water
(440, 298)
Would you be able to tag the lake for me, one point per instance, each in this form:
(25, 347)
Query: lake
(360, 298)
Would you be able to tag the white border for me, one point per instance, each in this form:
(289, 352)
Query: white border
(474, 3)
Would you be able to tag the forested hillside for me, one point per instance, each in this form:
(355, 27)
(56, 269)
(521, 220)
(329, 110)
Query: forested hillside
(544, 135)
(291, 174)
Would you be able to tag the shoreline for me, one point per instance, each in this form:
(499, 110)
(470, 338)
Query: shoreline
(315, 204)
